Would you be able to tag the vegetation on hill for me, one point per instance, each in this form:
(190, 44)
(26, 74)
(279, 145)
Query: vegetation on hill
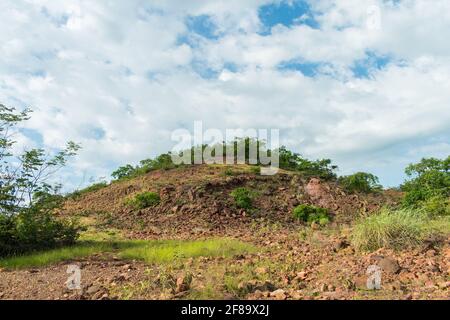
(425, 213)
(289, 160)
(27, 199)
(428, 180)
(311, 214)
(360, 182)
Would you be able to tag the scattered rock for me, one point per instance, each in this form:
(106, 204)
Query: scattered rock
(183, 283)
(340, 244)
(93, 289)
(302, 275)
(360, 283)
(104, 297)
(431, 253)
(155, 230)
(389, 265)
(261, 270)
(255, 285)
(122, 277)
(279, 294)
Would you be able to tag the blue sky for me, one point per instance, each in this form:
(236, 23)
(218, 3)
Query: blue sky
(365, 83)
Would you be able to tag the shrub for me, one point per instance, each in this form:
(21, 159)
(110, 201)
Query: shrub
(427, 179)
(436, 206)
(89, 189)
(144, 200)
(360, 182)
(396, 230)
(33, 230)
(162, 162)
(243, 198)
(310, 214)
(123, 172)
(322, 168)
(27, 200)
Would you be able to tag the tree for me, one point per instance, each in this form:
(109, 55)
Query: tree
(123, 172)
(27, 198)
(430, 178)
(322, 168)
(360, 182)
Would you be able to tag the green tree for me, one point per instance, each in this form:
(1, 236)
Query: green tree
(123, 172)
(430, 178)
(360, 182)
(322, 168)
(27, 199)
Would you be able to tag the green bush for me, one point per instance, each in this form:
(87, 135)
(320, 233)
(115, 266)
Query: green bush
(360, 182)
(243, 198)
(436, 206)
(322, 168)
(427, 179)
(124, 172)
(162, 162)
(95, 187)
(396, 229)
(144, 200)
(33, 230)
(310, 214)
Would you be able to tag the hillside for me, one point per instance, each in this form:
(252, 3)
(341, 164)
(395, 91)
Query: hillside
(196, 200)
(226, 252)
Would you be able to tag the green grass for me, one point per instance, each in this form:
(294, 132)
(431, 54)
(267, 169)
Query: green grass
(397, 229)
(161, 251)
(44, 258)
(153, 251)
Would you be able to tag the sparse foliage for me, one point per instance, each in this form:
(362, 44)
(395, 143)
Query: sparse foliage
(27, 199)
(360, 182)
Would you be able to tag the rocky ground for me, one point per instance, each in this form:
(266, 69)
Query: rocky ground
(294, 261)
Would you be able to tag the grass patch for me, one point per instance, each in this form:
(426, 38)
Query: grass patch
(397, 229)
(40, 259)
(152, 251)
(161, 251)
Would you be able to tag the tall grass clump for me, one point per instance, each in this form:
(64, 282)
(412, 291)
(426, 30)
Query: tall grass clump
(396, 229)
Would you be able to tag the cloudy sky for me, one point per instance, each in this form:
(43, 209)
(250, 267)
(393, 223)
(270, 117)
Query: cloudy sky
(366, 83)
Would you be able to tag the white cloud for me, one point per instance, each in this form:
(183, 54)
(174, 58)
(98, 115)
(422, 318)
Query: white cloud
(118, 68)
